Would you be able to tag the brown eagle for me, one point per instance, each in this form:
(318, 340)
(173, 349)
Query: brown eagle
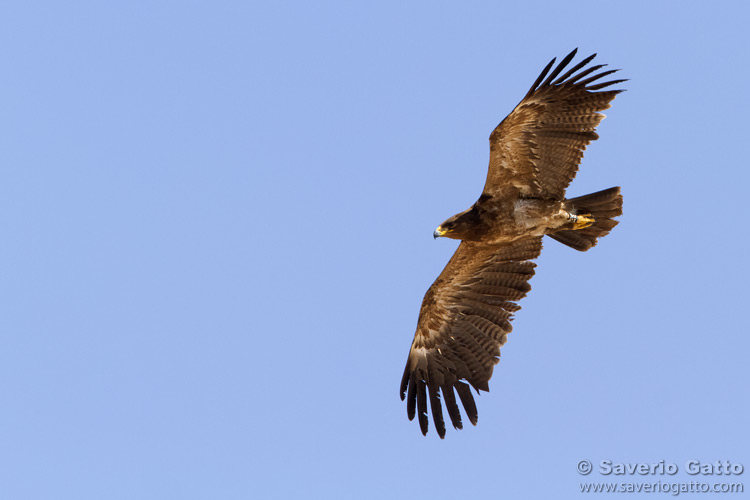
(534, 155)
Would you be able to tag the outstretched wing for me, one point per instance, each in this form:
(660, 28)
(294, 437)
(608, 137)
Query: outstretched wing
(536, 149)
(464, 319)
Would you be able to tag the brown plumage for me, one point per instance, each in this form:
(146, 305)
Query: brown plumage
(466, 313)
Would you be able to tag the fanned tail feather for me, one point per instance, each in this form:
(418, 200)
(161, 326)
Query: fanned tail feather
(603, 206)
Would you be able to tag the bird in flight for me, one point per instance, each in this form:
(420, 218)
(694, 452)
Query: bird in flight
(534, 155)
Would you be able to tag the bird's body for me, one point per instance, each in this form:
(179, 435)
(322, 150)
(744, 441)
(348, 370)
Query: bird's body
(465, 315)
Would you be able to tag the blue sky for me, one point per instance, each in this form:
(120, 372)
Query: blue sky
(217, 231)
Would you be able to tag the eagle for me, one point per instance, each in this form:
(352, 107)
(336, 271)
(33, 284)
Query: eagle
(534, 155)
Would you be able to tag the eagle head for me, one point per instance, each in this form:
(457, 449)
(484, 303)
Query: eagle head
(461, 226)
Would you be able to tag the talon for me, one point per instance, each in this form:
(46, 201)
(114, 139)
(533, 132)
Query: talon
(581, 221)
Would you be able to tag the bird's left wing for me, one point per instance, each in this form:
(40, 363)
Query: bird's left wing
(536, 149)
(464, 320)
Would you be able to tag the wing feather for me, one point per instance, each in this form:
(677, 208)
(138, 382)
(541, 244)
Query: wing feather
(559, 68)
(536, 149)
(464, 320)
(467, 400)
(450, 404)
(422, 405)
(574, 68)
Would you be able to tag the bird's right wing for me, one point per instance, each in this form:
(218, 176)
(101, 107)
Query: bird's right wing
(464, 320)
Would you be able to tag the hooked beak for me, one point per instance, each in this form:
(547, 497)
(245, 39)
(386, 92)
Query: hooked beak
(439, 232)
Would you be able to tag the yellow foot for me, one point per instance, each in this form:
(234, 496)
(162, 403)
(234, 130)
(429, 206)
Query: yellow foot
(581, 221)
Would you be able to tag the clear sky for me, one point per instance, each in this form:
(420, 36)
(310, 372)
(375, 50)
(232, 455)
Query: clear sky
(216, 223)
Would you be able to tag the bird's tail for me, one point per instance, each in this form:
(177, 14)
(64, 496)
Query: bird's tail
(595, 216)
